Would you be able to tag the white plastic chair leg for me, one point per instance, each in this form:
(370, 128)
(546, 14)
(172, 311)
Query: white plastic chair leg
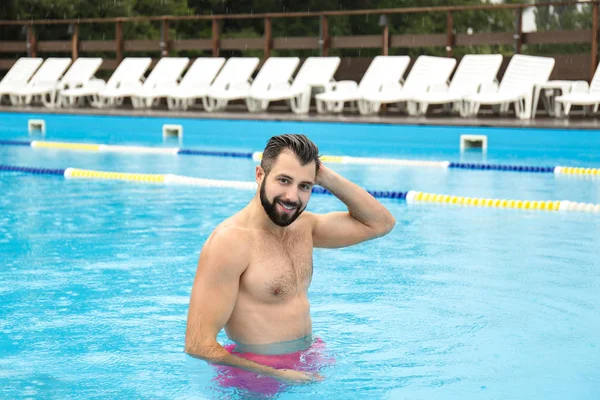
(527, 100)
(223, 104)
(413, 108)
(367, 107)
(184, 104)
(322, 106)
(209, 103)
(560, 110)
(263, 105)
(298, 104)
(471, 108)
(416, 108)
(49, 99)
(251, 104)
(338, 106)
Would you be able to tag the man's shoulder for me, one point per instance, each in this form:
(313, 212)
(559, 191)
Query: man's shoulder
(308, 219)
(229, 236)
(228, 245)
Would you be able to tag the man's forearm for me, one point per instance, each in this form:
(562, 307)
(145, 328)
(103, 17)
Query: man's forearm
(361, 205)
(218, 355)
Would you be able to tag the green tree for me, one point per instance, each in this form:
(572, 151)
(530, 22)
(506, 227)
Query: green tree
(475, 21)
(562, 18)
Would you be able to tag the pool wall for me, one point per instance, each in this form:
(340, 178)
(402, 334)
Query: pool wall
(251, 135)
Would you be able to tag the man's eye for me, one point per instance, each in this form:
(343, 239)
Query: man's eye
(284, 180)
(305, 187)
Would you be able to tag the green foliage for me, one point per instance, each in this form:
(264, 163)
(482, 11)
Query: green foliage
(477, 21)
(558, 18)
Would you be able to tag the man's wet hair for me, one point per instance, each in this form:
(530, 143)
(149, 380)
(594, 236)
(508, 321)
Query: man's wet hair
(302, 147)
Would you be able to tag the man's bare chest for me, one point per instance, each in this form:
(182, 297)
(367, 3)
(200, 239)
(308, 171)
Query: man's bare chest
(279, 269)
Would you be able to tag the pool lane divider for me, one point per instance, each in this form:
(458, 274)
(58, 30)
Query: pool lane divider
(256, 156)
(411, 197)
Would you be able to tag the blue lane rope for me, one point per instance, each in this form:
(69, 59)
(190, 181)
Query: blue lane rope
(410, 196)
(234, 154)
(14, 143)
(500, 167)
(382, 194)
(317, 190)
(31, 170)
(453, 165)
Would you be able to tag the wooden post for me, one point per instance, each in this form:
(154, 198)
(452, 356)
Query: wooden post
(449, 34)
(518, 31)
(324, 37)
(31, 42)
(215, 37)
(164, 38)
(75, 42)
(268, 38)
(119, 41)
(594, 41)
(386, 40)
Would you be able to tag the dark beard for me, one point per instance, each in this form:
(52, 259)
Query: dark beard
(282, 220)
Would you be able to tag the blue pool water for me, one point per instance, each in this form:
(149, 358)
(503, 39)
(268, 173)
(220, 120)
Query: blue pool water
(456, 303)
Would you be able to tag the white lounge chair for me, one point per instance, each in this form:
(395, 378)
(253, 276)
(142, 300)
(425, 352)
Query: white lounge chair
(383, 70)
(195, 83)
(45, 80)
(129, 73)
(78, 75)
(235, 74)
(473, 72)
(427, 72)
(522, 74)
(316, 72)
(587, 96)
(167, 71)
(163, 78)
(19, 74)
(275, 73)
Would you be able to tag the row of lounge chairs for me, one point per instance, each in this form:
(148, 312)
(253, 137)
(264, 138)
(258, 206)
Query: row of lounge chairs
(215, 82)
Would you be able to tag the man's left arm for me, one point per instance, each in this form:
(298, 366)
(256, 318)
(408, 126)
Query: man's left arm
(365, 219)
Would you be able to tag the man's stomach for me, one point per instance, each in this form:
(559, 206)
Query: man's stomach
(270, 328)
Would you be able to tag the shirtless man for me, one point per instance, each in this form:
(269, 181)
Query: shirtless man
(255, 268)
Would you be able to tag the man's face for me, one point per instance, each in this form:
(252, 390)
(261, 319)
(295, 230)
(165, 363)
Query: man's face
(285, 192)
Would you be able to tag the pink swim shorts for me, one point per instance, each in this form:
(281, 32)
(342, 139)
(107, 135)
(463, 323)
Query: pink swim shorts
(308, 360)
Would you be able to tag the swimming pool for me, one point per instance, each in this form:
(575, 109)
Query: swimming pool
(456, 303)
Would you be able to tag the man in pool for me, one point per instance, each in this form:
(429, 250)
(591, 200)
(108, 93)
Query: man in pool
(255, 268)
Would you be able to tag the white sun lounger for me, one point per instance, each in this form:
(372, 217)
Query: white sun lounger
(163, 78)
(45, 79)
(522, 74)
(383, 70)
(129, 73)
(427, 72)
(79, 74)
(583, 95)
(210, 72)
(236, 74)
(275, 73)
(19, 74)
(195, 82)
(473, 72)
(316, 72)
(167, 71)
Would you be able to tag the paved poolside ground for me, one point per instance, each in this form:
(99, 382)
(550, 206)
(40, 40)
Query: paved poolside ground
(238, 112)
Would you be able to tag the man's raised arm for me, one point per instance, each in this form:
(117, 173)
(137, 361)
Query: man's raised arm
(365, 219)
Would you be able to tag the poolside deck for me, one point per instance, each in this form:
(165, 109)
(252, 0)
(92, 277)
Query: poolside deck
(391, 117)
